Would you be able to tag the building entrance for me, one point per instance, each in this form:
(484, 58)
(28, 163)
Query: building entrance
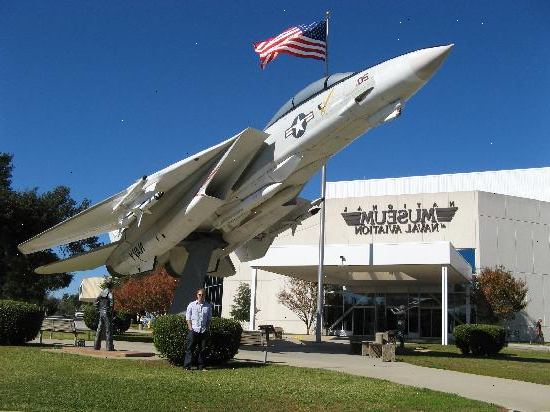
(430, 322)
(351, 313)
(363, 320)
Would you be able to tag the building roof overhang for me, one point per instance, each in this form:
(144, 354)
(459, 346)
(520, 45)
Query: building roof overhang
(375, 264)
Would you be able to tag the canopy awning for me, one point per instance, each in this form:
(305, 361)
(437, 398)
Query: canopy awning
(372, 265)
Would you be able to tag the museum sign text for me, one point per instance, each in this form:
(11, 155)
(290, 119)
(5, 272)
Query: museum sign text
(393, 220)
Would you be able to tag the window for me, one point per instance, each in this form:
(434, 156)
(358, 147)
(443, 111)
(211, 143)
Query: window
(214, 292)
(308, 92)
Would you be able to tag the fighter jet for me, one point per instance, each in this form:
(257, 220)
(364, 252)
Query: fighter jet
(239, 195)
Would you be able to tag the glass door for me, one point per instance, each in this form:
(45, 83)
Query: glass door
(363, 320)
(430, 322)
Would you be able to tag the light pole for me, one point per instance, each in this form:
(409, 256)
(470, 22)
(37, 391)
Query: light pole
(343, 306)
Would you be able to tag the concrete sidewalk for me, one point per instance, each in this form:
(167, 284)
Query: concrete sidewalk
(119, 346)
(528, 346)
(514, 395)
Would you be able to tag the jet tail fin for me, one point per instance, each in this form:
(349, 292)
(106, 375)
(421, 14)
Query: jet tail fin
(83, 261)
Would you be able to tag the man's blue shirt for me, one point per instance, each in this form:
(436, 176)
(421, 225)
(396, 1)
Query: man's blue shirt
(199, 314)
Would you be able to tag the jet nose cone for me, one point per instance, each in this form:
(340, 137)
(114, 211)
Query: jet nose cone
(424, 63)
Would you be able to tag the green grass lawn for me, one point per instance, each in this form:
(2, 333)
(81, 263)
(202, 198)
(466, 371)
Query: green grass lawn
(510, 363)
(33, 379)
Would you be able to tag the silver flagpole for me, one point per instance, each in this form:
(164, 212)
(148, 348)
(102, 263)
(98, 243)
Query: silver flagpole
(319, 317)
(327, 15)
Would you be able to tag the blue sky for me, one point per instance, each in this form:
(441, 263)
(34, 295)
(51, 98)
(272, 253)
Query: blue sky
(94, 94)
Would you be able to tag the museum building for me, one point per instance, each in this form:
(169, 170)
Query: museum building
(411, 244)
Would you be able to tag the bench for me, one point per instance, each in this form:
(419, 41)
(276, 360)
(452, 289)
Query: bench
(255, 338)
(382, 347)
(59, 325)
(278, 332)
(261, 337)
(385, 351)
(355, 343)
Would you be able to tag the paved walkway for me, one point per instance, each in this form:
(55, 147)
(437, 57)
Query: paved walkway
(514, 395)
(527, 346)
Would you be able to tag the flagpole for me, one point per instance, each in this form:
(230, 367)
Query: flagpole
(319, 317)
(327, 15)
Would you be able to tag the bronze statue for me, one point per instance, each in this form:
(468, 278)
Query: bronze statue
(104, 304)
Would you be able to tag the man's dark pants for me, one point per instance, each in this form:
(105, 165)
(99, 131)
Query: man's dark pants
(194, 340)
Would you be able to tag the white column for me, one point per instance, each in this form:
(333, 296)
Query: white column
(444, 306)
(468, 305)
(253, 285)
(320, 300)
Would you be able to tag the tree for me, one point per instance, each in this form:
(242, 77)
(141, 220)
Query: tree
(300, 296)
(68, 304)
(240, 310)
(50, 305)
(498, 295)
(23, 214)
(148, 293)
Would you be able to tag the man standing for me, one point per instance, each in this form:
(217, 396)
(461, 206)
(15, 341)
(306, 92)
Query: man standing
(104, 304)
(538, 331)
(198, 316)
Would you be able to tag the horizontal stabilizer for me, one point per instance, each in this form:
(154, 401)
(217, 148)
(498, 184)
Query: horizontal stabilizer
(83, 261)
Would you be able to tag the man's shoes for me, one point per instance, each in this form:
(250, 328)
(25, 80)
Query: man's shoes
(187, 368)
(202, 369)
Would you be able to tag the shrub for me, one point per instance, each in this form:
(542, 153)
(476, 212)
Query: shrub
(91, 317)
(461, 334)
(19, 322)
(487, 340)
(121, 320)
(224, 340)
(170, 339)
(480, 339)
(240, 310)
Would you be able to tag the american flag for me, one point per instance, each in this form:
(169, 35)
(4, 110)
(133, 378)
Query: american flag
(306, 40)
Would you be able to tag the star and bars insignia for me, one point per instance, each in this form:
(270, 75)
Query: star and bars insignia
(299, 125)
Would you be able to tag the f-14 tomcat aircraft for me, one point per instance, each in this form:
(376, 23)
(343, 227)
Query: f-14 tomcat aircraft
(239, 195)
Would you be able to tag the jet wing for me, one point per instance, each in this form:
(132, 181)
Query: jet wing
(110, 214)
(90, 222)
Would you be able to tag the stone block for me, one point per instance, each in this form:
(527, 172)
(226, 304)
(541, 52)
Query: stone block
(365, 348)
(388, 352)
(375, 350)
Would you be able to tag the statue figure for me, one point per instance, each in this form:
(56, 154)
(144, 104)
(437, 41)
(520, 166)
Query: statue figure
(104, 304)
(401, 323)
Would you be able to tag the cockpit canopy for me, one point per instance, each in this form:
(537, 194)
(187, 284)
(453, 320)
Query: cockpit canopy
(308, 92)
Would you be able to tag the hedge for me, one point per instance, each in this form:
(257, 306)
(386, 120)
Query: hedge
(170, 339)
(480, 339)
(19, 322)
(121, 320)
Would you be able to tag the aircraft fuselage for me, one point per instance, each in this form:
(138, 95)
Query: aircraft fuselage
(300, 141)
